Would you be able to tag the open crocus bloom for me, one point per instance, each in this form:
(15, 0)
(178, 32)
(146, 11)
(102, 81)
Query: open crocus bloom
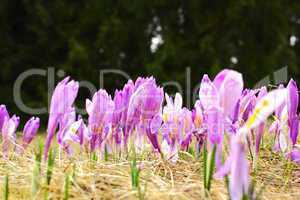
(263, 109)
(177, 128)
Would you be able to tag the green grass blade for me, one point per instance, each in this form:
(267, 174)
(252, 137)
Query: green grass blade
(205, 165)
(211, 167)
(35, 178)
(105, 153)
(6, 188)
(50, 164)
(66, 187)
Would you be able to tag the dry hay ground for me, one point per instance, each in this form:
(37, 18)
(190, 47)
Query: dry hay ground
(110, 179)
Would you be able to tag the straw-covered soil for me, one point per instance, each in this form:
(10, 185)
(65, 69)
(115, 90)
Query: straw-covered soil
(275, 177)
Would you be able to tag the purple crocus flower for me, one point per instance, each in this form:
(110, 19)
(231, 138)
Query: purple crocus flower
(3, 115)
(119, 109)
(177, 128)
(186, 122)
(145, 104)
(73, 133)
(30, 130)
(65, 123)
(61, 103)
(292, 103)
(199, 131)
(172, 127)
(237, 166)
(100, 111)
(230, 86)
(208, 94)
(223, 93)
(197, 115)
(127, 91)
(9, 128)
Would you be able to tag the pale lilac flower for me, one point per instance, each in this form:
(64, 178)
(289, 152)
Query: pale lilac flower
(293, 120)
(145, 104)
(9, 128)
(177, 128)
(186, 122)
(100, 111)
(208, 93)
(3, 115)
(30, 130)
(72, 134)
(61, 103)
(127, 91)
(230, 86)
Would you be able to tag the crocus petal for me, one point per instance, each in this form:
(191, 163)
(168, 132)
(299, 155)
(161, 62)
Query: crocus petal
(208, 93)
(230, 86)
(239, 173)
(294, 129)
(30, 130)
(100, 110)
(262, 92)
(70, 133)
(282, 142)
(294, 155)
(152, 134)
(178, 101)
(3, 115)
(224, 170)
(118, 108)
(155, 123)
(259, 135)
(9, 133)
(293, 98)
(264, 108)
(215, 125)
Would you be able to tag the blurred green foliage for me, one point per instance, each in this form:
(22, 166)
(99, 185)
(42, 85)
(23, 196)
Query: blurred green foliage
(83, 36)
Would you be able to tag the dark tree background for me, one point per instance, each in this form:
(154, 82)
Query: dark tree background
(84, 36)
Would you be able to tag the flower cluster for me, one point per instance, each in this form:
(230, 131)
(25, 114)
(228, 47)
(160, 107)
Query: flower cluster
(137, 115)
(8, 128)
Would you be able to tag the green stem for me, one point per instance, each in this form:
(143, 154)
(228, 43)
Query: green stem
(6, 188)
